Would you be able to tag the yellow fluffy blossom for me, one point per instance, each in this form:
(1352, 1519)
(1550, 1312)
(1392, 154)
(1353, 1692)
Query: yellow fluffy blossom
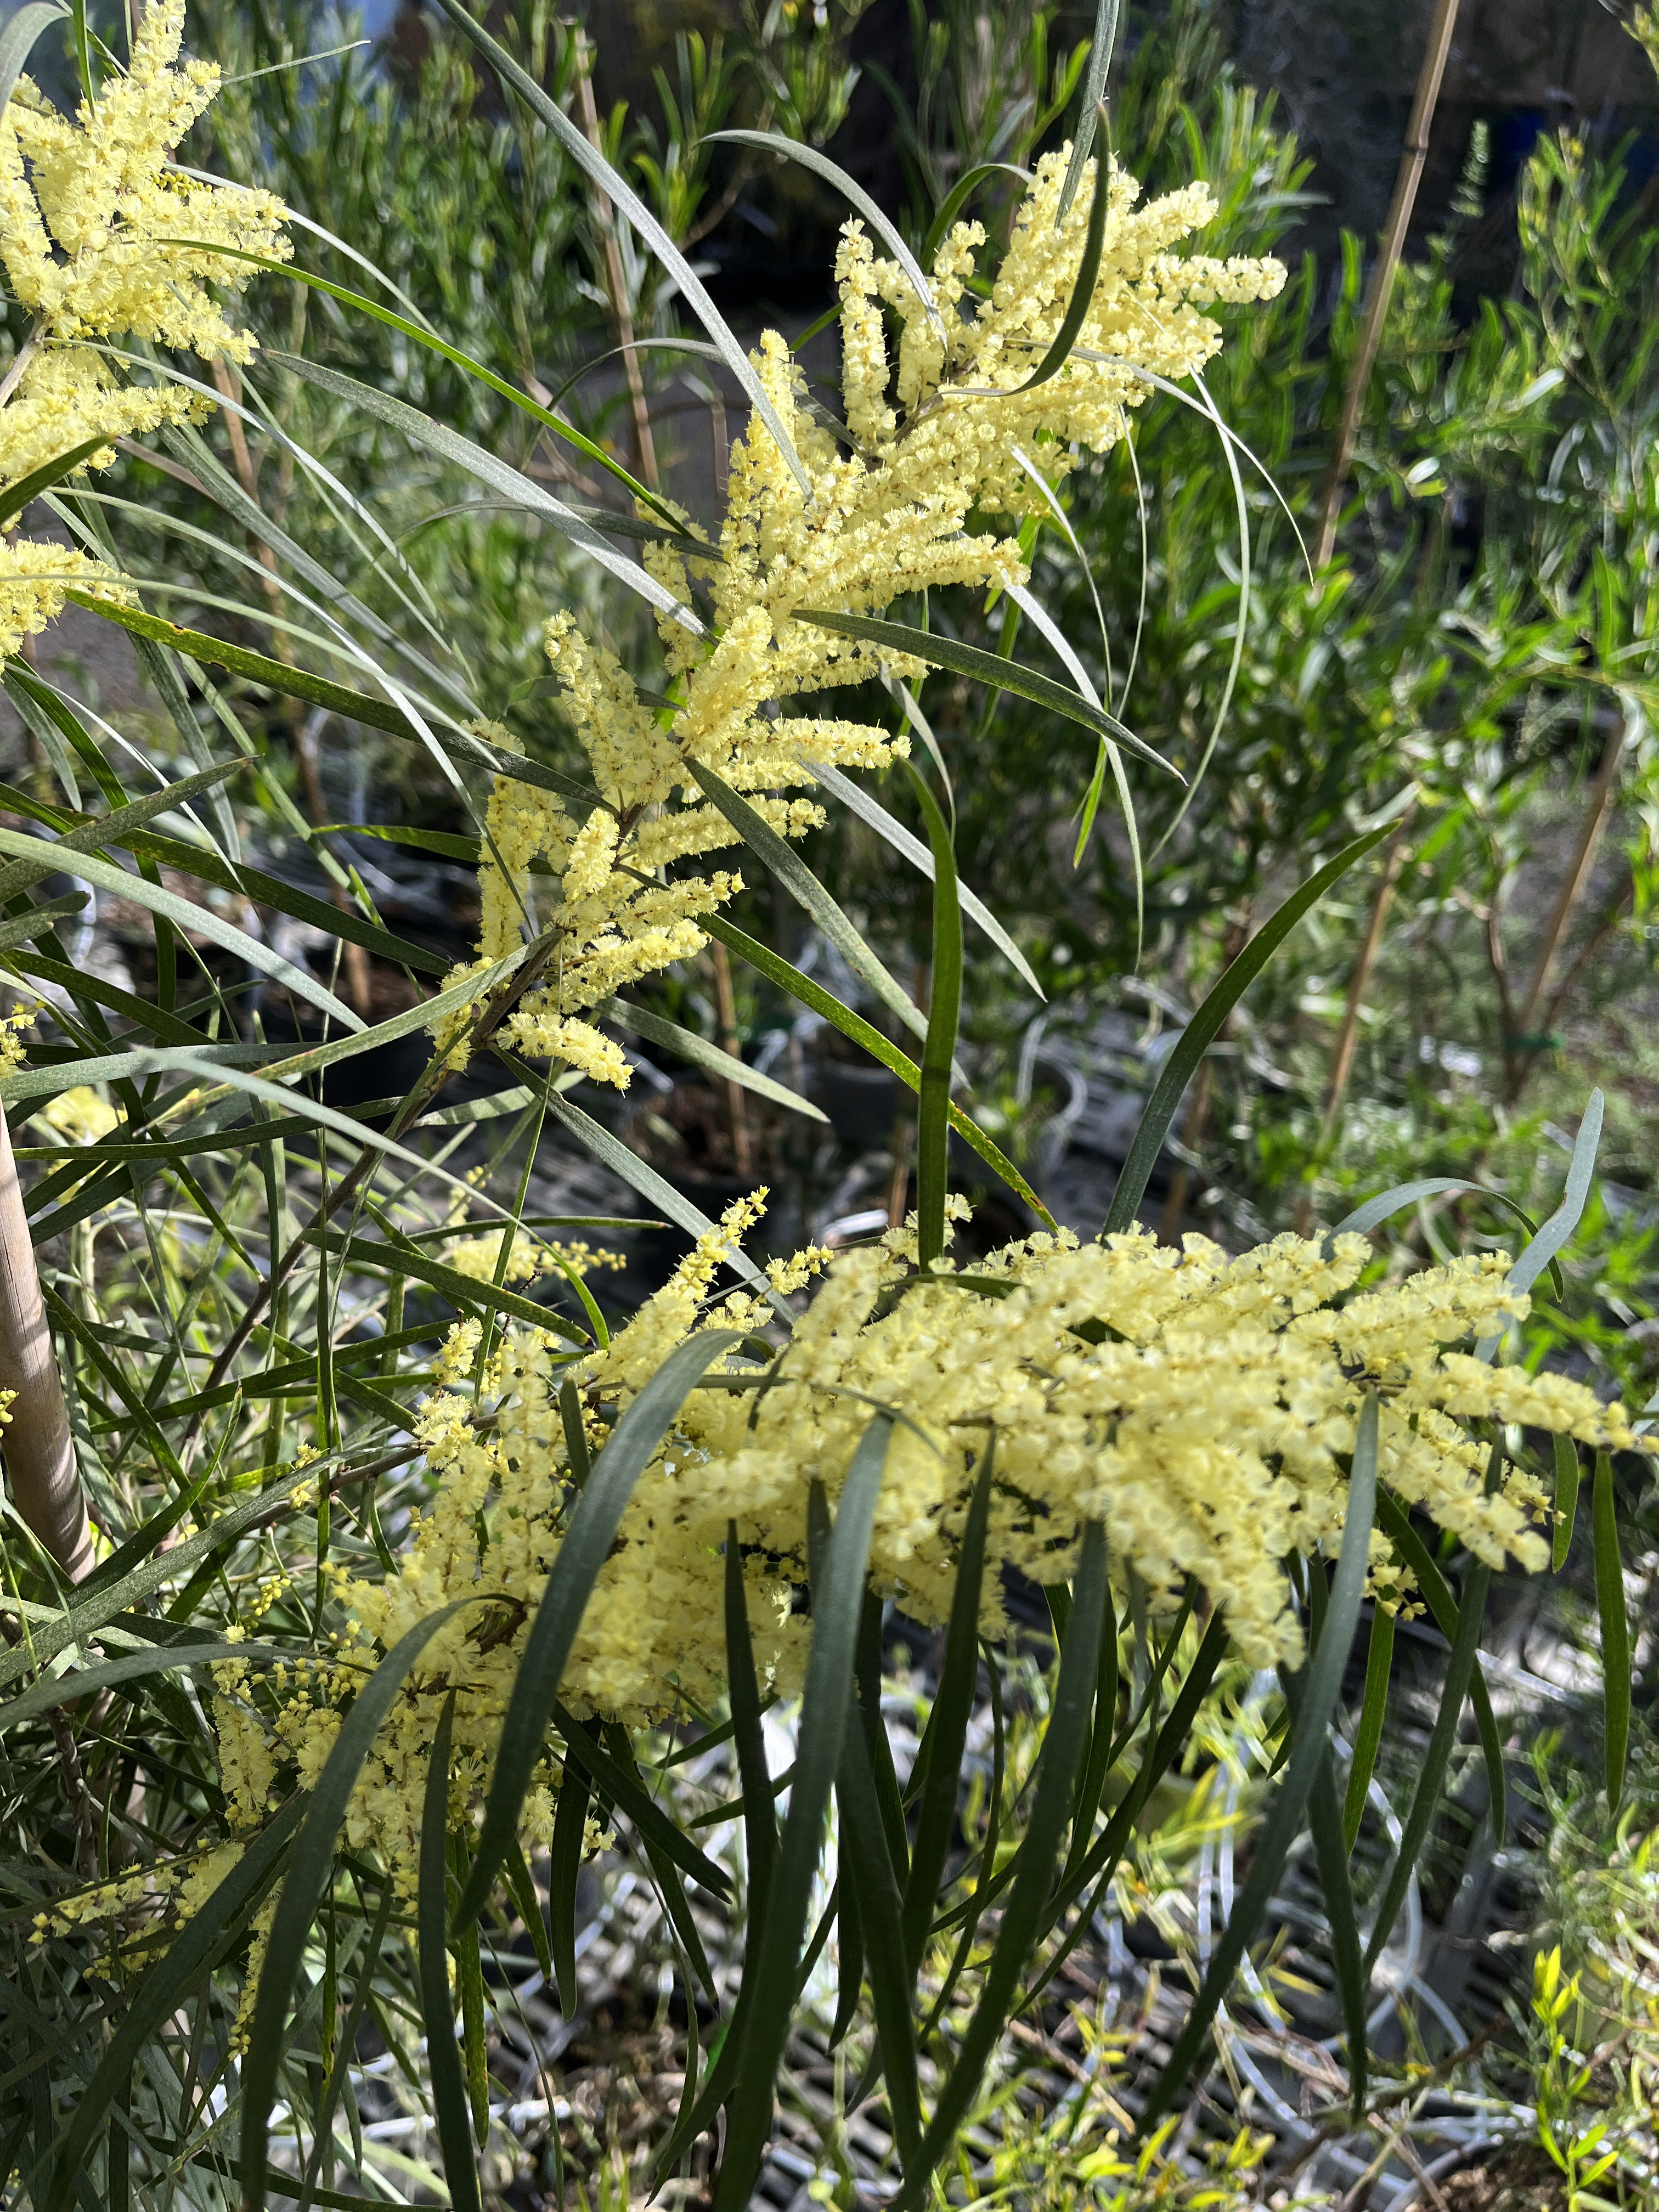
(931, 438)
(1203, 1408)
(82, 1115)
(12, 1027)
(103, 240)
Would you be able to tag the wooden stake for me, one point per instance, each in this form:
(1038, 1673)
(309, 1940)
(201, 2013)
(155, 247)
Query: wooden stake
(1519, 1048)
(1412, 157)
(39, 1454)
(1394, 860)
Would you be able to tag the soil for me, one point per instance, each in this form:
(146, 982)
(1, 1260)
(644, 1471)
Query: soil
(1522, 2179)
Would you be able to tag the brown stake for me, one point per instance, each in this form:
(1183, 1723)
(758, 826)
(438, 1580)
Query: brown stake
(1519, 1049)
(1394, 860)
(1412, 159)
(39, 1454)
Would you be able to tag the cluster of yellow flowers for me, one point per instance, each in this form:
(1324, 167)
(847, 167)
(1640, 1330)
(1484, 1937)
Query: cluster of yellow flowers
(12, 1029)
(887, 513)
(527, 1257)
(91, 214)
(1203, 1408)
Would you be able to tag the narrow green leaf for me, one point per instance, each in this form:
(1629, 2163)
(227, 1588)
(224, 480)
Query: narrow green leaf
(852, 1025)
(628, 1794)
(1097, 1767)
(23, 928)
(759, 1819)
(686, 1044)
(774, 142)
(809, 893)
(19, 36)
(838, 1597)
(345, 2056)
(1002, 675)
(308, 1871)
(184, 915)
(959, 195)
(859, 801)
(159, 1994)
(947, 1728)
(564, 1871)
(437, 2014)
(291, 683)
(869, 1861)
(1431, 1769)
(464, 1290)
(587, 1541)
(1566, 1501)
(1206, 1025)
(1331, 1853)
(1368, 1736)
(1088, 273)
(938, 1052)
(849, 1962)
(643, 1177)
(1321, 1685)
(867, 1673)
(623, 197)
(16, 496)
(1435, 1593)
(1374, 1210)
(56, 1689)
(1094, 91)
(1615, 1626)
(107, 830)
(1063, 1744)
(1561, 1224)
(500, 477)
(284, 897)
(56, 1631)
(469, 1974)
(522, 1883)
(359, 304)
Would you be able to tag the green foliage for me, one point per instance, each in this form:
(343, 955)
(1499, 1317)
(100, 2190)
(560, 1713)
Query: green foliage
(241, 1277)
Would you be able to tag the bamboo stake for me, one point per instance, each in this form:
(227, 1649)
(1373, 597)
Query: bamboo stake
(1412, 156)
(39, 1454)
(1519, 1047)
